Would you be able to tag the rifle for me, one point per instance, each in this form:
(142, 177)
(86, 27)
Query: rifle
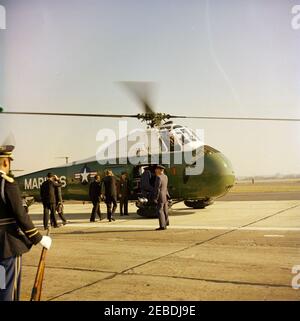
(37, 287)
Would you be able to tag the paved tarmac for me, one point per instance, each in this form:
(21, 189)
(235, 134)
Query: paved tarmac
(265, 196)
(241, 250)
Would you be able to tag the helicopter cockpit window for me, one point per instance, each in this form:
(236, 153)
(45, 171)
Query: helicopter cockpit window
(188, 135)
(195, 136)
(182, 138)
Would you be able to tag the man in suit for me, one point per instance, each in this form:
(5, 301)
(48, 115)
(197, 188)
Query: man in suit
(160, 197)
(95, 194)
(17, 232)
(59, 206)
(47, 193)
(110, 192)
(124, 192)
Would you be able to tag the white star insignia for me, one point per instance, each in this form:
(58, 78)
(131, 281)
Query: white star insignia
(84, 176)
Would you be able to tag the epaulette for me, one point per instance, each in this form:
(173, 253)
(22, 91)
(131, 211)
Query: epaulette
(7, 178)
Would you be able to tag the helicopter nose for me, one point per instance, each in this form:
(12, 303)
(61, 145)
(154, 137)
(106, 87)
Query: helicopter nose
(216, 179)
(218, 167)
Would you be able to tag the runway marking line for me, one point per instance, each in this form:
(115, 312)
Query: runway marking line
(178, 227)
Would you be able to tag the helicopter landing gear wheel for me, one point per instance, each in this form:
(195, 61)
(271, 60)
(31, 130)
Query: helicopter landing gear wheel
(197, 204)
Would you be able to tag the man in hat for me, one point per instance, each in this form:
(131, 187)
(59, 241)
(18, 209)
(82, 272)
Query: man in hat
(160, 197)
(95, 195)
(17, 232)
(48, 198)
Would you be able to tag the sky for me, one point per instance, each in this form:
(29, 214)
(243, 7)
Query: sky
(207, 57)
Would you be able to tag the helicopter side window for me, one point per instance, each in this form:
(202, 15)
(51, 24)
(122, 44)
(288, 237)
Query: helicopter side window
(177, 147)
(164, 140)
(169, 141)
(163, 144)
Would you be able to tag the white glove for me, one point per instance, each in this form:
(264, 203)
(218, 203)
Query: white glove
(46, 242)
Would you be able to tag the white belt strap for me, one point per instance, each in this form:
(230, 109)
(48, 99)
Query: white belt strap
(7, 221)
(2, 190)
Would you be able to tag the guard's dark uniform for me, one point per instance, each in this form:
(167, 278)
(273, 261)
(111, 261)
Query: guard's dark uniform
(94, 194)
(17, 235)
(110, 187)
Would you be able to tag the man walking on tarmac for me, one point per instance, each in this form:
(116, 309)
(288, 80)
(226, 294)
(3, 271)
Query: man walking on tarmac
(47, 193)
(17, 232)
(95, 195)
(110, 188)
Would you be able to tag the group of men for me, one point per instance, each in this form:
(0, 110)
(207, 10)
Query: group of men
(154, 188)
(109, 189)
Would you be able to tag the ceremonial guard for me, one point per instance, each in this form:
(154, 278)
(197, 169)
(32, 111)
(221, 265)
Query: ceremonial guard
(17, 232)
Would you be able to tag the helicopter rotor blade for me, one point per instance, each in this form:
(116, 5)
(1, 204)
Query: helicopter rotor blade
(150, 111)
(142, 92)
(68, 114)
(236, 118)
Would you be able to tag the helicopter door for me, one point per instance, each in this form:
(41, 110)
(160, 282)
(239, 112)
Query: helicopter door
(136, 183)
(137, 173)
